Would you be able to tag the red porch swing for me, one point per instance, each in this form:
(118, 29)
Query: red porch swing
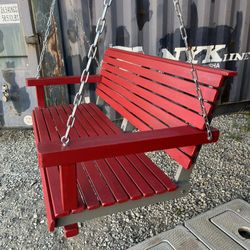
(90, 168)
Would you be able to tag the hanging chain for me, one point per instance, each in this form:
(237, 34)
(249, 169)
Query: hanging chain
(83, 38)
(46, 36)
(194, 73)
(85, 73)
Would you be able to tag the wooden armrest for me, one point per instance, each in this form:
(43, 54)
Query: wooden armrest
(47, 81)
(40, 83)
(53, 153)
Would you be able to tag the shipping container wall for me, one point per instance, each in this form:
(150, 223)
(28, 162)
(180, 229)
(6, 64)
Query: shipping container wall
(218, 32)
(22, 29)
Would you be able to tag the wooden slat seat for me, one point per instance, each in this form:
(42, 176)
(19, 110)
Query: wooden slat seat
(102, 166)
(103, 182)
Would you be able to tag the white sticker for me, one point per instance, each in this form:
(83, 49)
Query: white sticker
(28, 120)
(9, 13)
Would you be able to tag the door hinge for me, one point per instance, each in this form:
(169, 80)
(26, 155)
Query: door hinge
(32, 40)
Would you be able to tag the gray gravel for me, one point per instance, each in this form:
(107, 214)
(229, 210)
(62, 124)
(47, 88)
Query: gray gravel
(220, 175)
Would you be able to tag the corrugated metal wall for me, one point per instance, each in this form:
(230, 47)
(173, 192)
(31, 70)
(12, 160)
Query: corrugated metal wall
(218, 31)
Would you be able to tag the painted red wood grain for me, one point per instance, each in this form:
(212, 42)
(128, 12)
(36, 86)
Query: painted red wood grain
(86, 189)
(139, 186)
(101, 188)
(162, 177)
(205, 74)
(47, 81)
(168, 81)
(47, 200)
(146, 110)
(191, 102)
(111, 180)
(114, 145)
(40, 95)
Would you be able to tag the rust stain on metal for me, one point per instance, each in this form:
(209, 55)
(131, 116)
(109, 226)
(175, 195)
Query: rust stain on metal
(54, 50)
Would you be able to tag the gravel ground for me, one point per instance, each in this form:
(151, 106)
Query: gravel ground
(221, 174)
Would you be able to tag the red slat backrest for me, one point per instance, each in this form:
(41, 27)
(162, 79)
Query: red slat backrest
(154, 93)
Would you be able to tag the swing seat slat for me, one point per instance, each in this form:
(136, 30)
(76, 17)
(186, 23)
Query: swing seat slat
(102, 182)
(104, 170)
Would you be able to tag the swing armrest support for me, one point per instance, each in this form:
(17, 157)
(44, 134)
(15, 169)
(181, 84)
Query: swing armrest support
(53, 153)
(40, 83)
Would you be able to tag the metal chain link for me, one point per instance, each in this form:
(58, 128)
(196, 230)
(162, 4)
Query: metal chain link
(194, 73)
(83, 38)
(85, 73)
(46, 36)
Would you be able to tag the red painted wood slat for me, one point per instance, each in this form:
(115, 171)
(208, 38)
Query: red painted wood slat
(153, 112)
(145, 188)
(104, 129)
(147, 175)
(117, 106)
(134, 110)
(179, 84)
(54, 178)
(54, 136)
(163, 178)
(84, 122)
(105, 119)
(114, 145)
(86, 189)
(78, 123)
(131, 99)
(131, 172)
(47, 201)
(173, 95)
(122, 173)
(175, 63)
(114, 185)
(150, 96)
(167, 118)
(205, 75)
(55, 191)
(184, 160)
(101, 188)
(59, 126)
(41, 125)
(36, 134)
(97, 119)
(61, 118)
(87, 117)
(47, 81)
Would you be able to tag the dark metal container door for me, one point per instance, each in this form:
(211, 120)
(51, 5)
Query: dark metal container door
(218, 32)
(18, 60)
